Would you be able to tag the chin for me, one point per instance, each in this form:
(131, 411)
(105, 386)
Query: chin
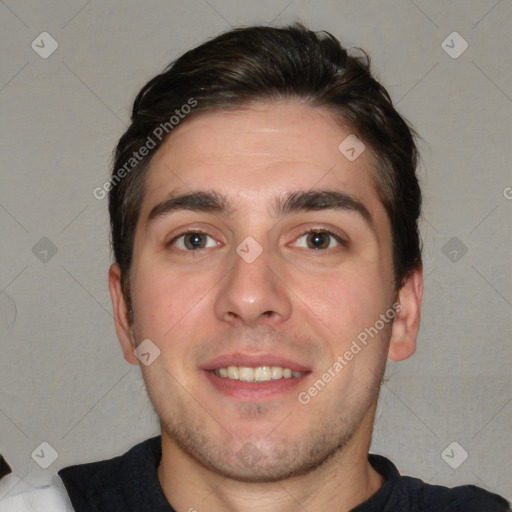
(262, 461)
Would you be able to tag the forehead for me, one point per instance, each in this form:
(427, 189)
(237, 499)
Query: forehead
(255, 153)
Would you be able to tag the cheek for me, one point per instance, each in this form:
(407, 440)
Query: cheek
(164, 301)
(349, 300)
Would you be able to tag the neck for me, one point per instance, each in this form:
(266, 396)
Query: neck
(341, 483)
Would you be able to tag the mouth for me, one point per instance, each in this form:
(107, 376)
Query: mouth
(256, 374)
(254, 377)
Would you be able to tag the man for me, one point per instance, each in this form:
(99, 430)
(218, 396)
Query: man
(264, 207)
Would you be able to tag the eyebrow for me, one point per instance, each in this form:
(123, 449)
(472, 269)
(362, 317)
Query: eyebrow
(292, 202)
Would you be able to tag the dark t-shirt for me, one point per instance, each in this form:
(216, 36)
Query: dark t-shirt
(129, 483)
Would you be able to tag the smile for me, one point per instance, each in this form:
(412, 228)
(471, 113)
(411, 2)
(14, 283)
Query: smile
(256, 374)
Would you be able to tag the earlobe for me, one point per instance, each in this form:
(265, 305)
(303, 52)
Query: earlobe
(406, 324)
(122, 318)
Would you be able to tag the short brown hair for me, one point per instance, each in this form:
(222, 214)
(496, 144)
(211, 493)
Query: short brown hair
(268, 63)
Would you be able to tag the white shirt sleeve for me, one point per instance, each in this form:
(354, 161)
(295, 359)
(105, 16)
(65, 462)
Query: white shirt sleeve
(50, 498)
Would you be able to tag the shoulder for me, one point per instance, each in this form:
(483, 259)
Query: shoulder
(464, 498)
(86, 486)
(116, 469)
(126, 482)
(49, 498)
(405, 493)
(470, 498)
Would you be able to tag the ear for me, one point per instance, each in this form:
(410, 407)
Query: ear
(407, 320)
(122, 319)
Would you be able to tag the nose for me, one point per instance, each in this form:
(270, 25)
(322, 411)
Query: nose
(253, 292)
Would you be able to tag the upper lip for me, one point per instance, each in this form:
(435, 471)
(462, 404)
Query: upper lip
(253, 360)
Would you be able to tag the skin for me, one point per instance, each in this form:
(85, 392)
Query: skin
(303, 303)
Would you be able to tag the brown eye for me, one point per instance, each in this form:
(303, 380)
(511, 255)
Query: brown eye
(318, 240)
(192, 241)
(321, 240)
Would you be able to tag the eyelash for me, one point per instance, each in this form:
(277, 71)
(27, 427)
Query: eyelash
(336, 237)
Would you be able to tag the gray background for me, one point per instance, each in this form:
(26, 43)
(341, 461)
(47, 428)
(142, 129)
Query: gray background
(63, 378)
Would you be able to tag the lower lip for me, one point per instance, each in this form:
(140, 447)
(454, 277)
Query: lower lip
(253, 391)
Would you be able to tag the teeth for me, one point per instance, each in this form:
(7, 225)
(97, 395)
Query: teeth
(246, 374)
(262, 373)
(232, 372)
(276, 372)
(258, 374)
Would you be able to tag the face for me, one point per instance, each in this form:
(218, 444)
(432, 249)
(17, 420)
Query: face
(282, 267)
